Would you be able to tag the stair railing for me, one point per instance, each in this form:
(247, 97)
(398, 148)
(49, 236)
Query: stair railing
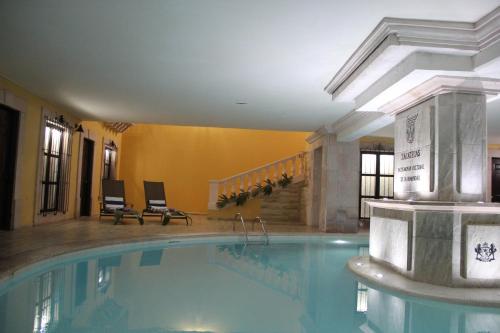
(292, 166)
(239, 217)
(262, 224)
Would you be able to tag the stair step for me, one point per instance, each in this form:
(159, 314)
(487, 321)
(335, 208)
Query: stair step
(290, 221)
(280, 205)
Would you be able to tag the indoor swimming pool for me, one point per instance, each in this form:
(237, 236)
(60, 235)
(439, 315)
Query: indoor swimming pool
(293, 284)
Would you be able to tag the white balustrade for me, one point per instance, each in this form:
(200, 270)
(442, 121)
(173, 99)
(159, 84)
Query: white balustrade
(292, 166)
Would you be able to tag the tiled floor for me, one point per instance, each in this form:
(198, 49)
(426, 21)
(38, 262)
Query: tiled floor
(31, 244)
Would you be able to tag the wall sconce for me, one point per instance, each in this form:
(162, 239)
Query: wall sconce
(113, 145)
(79, 128)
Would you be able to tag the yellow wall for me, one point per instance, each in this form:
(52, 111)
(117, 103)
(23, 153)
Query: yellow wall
(100, 135)
(30, 149)
(185, 158)
(30, 144)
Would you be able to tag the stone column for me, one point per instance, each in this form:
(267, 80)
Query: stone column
(441, 149)
(339, 210)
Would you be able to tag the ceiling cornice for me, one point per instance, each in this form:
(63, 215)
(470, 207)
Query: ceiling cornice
(439, 85)
(319, 133)
(472, 37)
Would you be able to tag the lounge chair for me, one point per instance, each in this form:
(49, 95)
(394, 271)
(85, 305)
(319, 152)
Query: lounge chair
(156, 204)
(114, 204)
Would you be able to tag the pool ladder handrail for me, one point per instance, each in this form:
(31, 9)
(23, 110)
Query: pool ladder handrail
(262, 225)
(239, 217)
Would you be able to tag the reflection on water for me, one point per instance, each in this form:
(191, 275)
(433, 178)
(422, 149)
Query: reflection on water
(296, 287)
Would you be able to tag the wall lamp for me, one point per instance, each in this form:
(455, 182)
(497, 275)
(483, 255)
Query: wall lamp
(77, 127)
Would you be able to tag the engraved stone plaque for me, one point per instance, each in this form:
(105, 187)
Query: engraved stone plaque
(481, 252)
(413, 151)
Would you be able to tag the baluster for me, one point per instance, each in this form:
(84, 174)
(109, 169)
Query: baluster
(241, 182)
(292, 167)
(224, 188)
(232, 180)
(300, 166)
(250, 181)
(257, 178)
(213, 192)
(268, 172)
(275, 175)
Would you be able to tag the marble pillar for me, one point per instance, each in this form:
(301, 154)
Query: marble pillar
(338, 188)
(441, 149)
(438, 229)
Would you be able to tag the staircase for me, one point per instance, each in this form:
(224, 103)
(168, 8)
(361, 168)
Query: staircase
(283, 206)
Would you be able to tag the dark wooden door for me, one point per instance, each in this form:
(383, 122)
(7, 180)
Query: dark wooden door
(495, 181)
(9, 131)
(86, 180)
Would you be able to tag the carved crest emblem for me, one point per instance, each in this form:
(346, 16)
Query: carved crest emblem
(410, 128)
(485, 252)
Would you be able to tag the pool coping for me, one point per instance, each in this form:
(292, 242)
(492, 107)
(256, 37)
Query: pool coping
(380, 277)
(31, 262)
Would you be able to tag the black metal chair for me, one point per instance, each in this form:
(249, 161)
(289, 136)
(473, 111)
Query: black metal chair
(156, 204)
(114, 204)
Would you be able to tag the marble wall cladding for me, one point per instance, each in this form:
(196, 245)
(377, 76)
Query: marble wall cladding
(413, 151)
(481, 254)
(393, 214)
(433, 260)
(390, 242)
(440, 149)
(433, 247)
(339, 209)
(438, 247)
(470, 181)
(434, 225)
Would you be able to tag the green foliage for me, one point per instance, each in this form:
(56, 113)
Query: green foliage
(222, 201)
(268, 186)
(284, 181)
(257, 190)
(233, 197)
(242, 197)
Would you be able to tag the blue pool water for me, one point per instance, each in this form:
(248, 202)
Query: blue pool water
(217, 285)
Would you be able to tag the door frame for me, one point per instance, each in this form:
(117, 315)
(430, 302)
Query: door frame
(492, 153)
(17, 104)
(88, 135)
(91, 175)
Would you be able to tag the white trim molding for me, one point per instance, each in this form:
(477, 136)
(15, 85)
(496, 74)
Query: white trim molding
(462, 37)
(440, 85)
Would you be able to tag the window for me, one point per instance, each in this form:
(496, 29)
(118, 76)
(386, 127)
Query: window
(109, 160)
(377, 179)
(56, 158)
(107, 163)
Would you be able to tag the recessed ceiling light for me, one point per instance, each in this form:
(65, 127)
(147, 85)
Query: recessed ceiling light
(241, 103)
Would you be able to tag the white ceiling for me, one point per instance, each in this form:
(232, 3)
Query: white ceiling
(189, 62)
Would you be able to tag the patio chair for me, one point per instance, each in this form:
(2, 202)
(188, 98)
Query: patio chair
(114, 204)
(156, 204)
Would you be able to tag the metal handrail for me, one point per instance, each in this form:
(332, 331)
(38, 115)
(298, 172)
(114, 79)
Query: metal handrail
(238, 216)
(261, 221)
